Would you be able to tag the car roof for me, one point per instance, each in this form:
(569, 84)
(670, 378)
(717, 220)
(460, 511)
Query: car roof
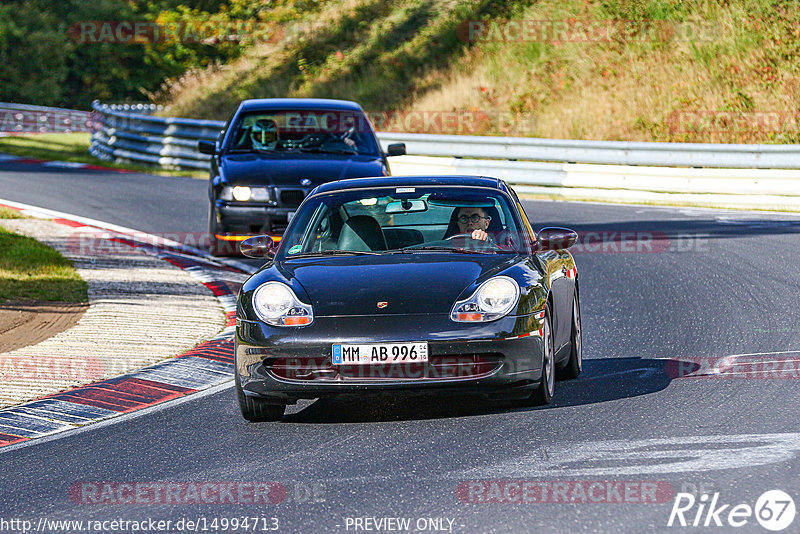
(298, 104)
(410, 181)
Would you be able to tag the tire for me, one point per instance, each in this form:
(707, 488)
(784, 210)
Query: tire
(574, 365)
(544, 393)
(215, 246)
(257, 410)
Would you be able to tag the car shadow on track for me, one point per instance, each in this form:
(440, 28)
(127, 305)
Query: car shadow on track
(601, 381)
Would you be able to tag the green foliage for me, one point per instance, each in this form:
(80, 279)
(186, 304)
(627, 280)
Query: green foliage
(46, 60)
(31, 54)
(657, 57)
(644, 10)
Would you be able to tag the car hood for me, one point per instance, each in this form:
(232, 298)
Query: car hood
(408, 284)
(289, 168)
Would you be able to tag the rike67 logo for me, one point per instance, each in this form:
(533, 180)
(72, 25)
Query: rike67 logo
(774, 510)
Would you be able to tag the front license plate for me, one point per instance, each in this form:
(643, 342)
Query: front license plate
(380, 353)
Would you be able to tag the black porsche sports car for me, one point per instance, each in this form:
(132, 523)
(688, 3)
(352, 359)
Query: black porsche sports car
(272, 152)
(407, 283)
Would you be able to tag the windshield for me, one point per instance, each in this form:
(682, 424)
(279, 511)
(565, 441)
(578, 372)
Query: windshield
(405, 220)
(317, 131)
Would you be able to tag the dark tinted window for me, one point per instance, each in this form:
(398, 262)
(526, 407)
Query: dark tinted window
(304, 131)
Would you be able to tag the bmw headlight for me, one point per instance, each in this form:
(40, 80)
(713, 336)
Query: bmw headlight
(494, 299)
(276, 304)
(243, 193)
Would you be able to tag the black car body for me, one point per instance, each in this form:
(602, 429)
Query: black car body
(380, 261)
(256, 185)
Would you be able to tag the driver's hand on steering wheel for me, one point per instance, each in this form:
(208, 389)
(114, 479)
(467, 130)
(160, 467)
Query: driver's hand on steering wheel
(479, 235)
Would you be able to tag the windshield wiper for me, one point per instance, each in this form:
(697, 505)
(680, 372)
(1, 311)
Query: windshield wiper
(332, 253)
(407, 250)
(319, 150)
(251, 151)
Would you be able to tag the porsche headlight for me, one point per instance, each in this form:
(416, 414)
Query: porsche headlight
(276, 304)
(494, 299)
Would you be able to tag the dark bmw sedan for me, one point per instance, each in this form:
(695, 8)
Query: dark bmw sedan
(407, 283)
(272, 152)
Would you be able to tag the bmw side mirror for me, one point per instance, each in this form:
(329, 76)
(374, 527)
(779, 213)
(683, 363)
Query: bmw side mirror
(260, 246)
(396, 149)
(207, 147)
(555, 238)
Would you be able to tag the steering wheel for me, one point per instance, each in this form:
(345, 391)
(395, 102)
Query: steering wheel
(472, 244)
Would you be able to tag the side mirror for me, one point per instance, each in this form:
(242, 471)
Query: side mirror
(396, 149)
(556, 238)
(260, 246)
(207, 147)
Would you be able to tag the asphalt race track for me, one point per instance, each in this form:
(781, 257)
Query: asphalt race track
(647, 419)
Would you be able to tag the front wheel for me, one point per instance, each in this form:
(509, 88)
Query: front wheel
(257, 410)
(574, 365)
(544, 393)
(217, 247)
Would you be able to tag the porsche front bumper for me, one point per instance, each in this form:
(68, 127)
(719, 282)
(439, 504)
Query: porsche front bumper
(290, 363)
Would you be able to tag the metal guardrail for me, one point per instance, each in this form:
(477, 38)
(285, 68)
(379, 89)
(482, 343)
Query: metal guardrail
(172, 141)
(602, 152)
(20, 119)
(140, 137)
(132, 133)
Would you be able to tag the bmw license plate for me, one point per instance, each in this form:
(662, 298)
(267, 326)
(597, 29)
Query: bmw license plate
(380, 353)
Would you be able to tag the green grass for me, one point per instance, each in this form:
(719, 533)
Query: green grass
(30, 270)
(7, 213)
(75, 147)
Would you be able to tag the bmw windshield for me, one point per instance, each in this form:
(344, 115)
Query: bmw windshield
(313, 131)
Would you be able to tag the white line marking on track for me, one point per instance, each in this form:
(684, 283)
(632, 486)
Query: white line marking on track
(661, 455)
(643, 371)
(728, 355)
(64, 164)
